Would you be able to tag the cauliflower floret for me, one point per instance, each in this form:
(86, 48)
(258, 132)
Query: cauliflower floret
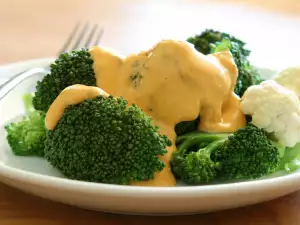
(290, 78)
(275, 109)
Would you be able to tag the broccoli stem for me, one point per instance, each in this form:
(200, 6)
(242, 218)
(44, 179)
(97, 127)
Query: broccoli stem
(194, 165)
(27, 100)
(290, 159)
(196, 138)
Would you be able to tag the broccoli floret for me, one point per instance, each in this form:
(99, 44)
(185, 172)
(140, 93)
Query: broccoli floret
(106, 140)
(211, 41)
(206, 41)
(75, 67)
(26, 137)
(247, 153)
(195, 167)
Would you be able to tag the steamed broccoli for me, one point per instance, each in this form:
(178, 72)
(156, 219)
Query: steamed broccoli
(75, 67)
(26, 137)
(211, 41)
(248, 153)
(196, 167)
(105, 140)
(206, 41)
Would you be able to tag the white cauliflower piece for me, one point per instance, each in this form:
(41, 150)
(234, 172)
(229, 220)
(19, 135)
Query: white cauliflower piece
(275, 109)
(290, 78)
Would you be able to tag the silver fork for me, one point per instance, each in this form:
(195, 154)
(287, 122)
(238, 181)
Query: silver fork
(78, 38)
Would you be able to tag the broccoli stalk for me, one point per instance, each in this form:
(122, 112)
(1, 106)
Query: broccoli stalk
(26, 137)
(290, 160)
(105, 140)
(201, 139)
(245, 154)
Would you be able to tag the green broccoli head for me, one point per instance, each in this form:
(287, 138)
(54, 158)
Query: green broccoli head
(75, 67)
(26, 137)
(195, 166)
(105, 140)
(247, 154)
(206, 41)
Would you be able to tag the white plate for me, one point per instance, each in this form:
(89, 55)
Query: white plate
(36, 176)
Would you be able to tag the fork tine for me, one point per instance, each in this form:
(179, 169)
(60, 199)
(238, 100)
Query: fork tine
(95, 32)
(80, 37)
(69, 39)
(89, 39)
(100, 34)
(65, 48)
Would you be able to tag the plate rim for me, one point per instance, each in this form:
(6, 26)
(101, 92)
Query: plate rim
(65, 183)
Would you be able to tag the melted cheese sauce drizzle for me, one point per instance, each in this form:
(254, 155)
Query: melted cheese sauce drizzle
(71, 95)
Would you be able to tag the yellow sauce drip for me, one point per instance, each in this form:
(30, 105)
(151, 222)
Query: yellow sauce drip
(172, 82)
(69, 96)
